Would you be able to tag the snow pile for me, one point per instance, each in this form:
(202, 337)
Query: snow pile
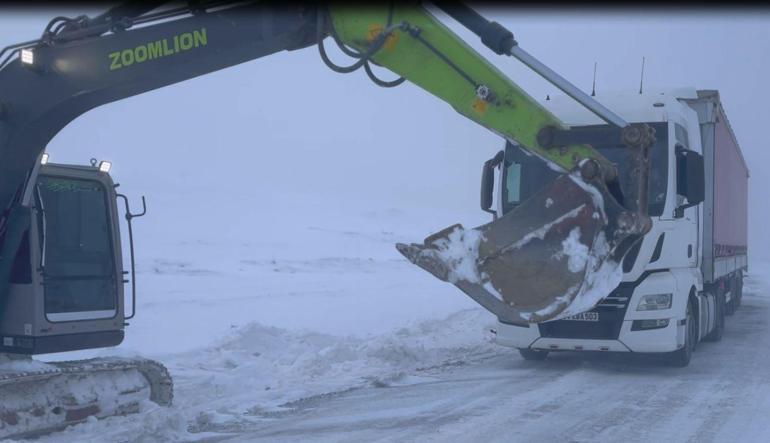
(258, 372)
(459, 251)
(260, 368)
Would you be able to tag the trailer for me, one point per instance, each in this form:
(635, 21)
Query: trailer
(725, 205)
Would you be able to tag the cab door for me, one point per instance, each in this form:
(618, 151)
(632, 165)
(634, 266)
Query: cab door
(78, 257)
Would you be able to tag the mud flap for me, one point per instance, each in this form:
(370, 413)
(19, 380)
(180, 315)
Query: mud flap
(556, 254)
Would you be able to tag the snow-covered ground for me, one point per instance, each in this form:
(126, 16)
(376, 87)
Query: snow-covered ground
(337, 338)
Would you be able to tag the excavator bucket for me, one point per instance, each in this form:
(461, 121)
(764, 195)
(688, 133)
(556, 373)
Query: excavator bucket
(555, 255)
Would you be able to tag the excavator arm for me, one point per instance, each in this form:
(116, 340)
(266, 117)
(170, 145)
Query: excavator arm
(557, 254)
(567, 235)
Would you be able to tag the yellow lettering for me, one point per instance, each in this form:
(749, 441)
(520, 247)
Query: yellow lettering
(186, 41)
(154, 50)
(140, 54)
(200, 38)
(114, 61)
(127, 57)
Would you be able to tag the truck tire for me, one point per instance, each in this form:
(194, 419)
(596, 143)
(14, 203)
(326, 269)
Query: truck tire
(732, 305)
(681, 357)
(533, 354)
(719, 328)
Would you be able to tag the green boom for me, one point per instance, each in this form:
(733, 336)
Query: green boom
(431, 56)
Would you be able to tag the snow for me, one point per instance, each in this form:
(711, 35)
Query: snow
(600, 279)
(270, 287)
(575, 250)
(436, 381)
(459, 251)
(11, 364)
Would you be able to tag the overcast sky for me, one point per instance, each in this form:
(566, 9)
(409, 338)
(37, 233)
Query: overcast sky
(287, 121)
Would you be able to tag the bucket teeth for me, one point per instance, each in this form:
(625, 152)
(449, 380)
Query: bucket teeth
(532, 263)
(425, 258)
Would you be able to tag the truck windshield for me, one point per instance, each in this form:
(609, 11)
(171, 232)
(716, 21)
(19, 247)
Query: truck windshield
(524, 174)
(77, 254)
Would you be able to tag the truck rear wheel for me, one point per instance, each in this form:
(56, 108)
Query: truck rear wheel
(533, 354)
(681, 357)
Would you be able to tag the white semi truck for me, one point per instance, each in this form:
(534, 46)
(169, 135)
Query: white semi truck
(686, 274)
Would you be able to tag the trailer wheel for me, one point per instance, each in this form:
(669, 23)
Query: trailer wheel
(719, 328)
(738, 284)
(533, 354)
(681, 357)
(732, 305)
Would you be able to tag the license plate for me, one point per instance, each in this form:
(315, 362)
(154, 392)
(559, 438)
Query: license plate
(584, 316)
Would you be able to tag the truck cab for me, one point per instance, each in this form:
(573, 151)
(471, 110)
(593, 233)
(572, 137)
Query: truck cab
(665, 303)
(67, 280)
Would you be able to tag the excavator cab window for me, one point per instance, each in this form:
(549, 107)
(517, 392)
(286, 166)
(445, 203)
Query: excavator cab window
(77, 254)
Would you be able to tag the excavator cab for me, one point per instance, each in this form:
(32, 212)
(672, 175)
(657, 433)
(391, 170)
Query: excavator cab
(66, 283)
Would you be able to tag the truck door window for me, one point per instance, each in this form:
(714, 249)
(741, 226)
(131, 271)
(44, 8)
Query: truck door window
(513, 183)
(79, 267)
(523, 175)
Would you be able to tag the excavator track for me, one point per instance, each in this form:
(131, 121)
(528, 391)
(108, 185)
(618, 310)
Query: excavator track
(47, 397)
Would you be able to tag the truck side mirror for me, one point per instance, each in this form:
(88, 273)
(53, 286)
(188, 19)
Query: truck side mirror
(488, 181)
(690, 181)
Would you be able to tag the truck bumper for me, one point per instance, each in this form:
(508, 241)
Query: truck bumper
(667, 339)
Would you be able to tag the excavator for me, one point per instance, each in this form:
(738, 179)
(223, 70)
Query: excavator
(62, 274)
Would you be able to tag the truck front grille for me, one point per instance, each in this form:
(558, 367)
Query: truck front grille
(612, 310)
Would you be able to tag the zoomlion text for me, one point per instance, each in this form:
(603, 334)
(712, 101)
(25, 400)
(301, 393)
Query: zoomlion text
(157, 49)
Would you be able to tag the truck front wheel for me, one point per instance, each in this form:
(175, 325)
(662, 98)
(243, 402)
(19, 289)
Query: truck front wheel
(681, 357)
(533, 354)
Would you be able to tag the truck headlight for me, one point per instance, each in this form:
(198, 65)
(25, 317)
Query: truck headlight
(654, 302)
